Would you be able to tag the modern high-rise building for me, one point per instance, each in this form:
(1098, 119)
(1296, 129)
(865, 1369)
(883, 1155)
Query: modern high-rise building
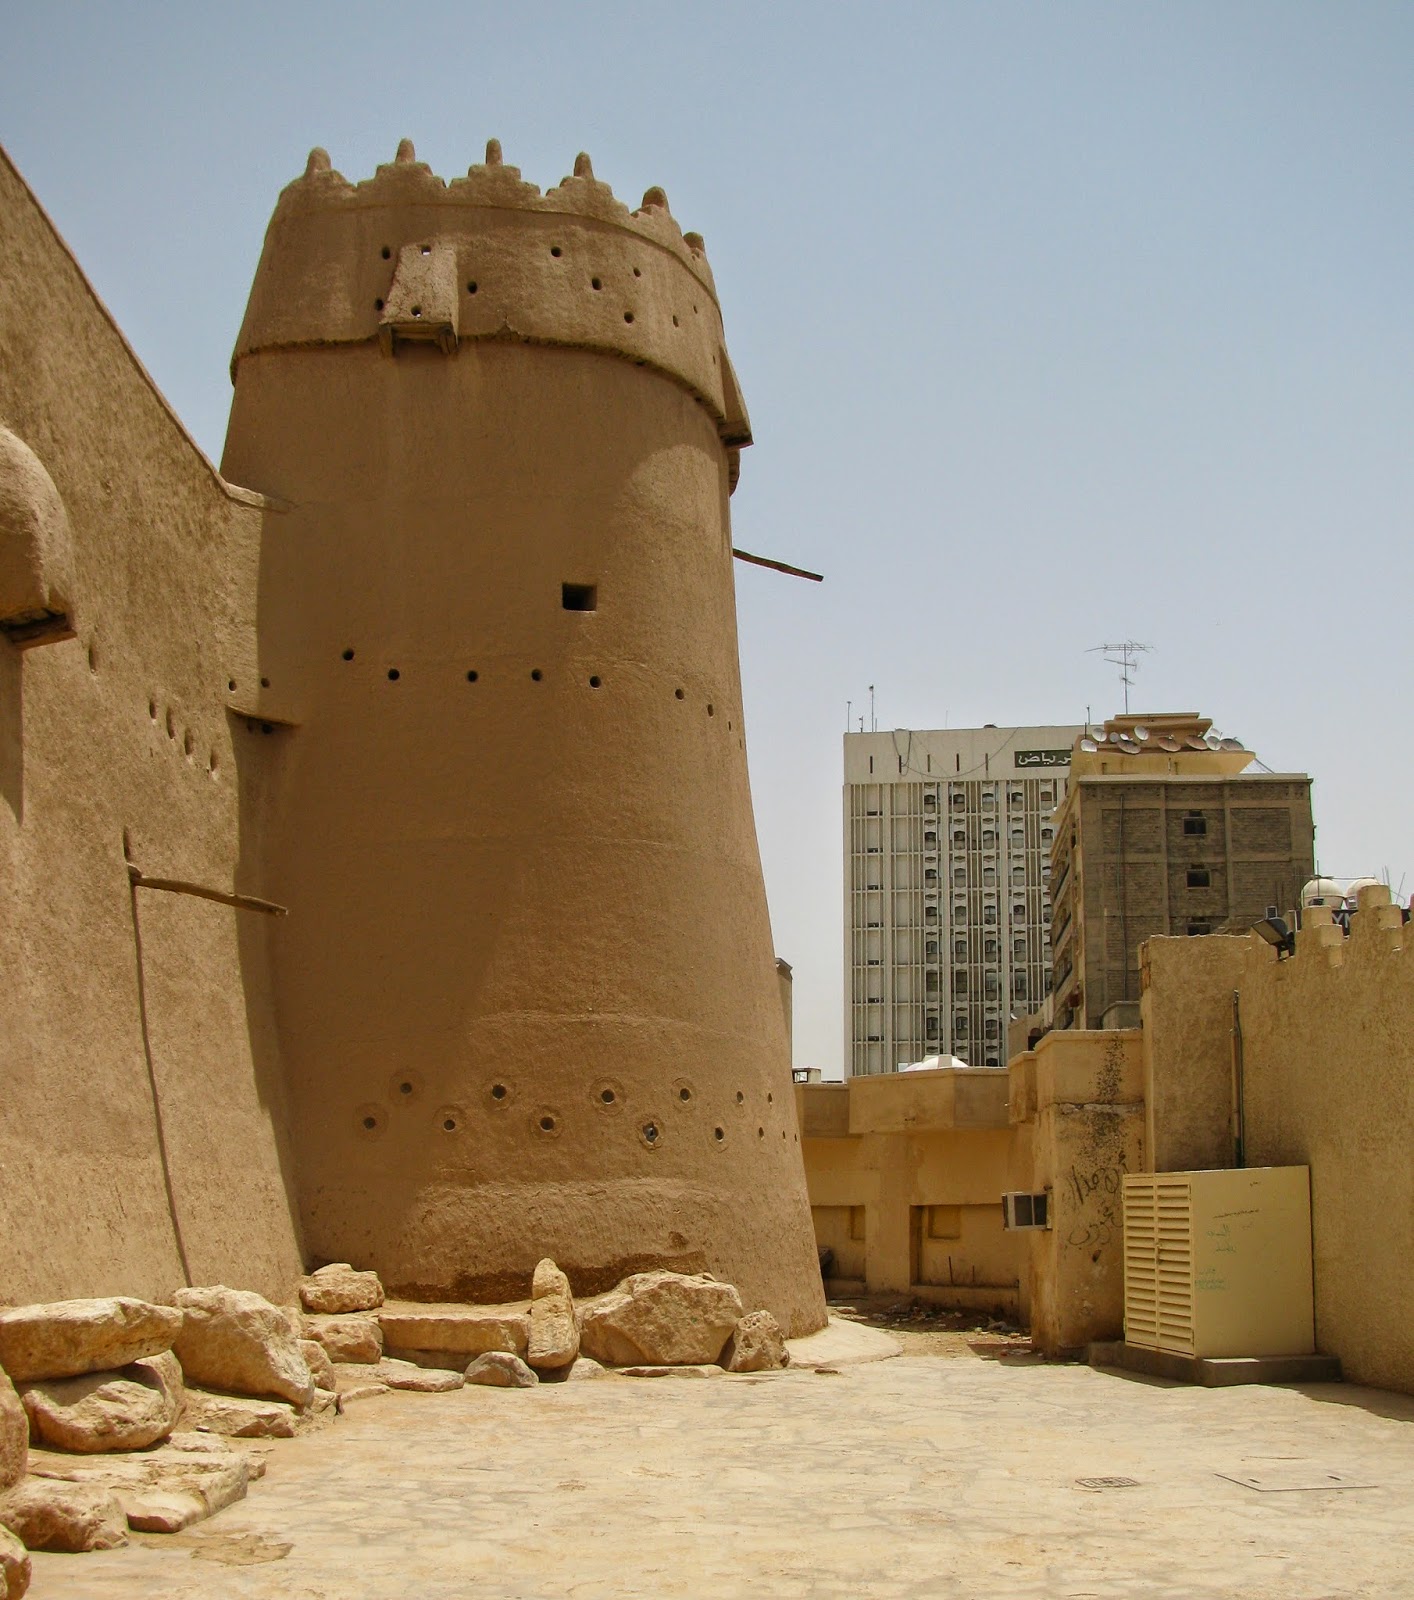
(1166, 830)
(947, 847)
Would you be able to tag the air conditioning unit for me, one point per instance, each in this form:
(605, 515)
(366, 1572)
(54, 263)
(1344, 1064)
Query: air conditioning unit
(1025, 1211)
(1218, 1264)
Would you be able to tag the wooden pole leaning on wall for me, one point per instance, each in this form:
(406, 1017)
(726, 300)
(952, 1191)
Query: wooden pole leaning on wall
(242, 902)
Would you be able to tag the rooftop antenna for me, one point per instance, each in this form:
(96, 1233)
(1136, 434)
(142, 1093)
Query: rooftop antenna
(1125, 656)
(873, 720)
(848, 714)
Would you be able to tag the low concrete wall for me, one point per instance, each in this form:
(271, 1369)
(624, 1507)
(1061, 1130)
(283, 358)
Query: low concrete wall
(906, 1173)
(1078, 1128)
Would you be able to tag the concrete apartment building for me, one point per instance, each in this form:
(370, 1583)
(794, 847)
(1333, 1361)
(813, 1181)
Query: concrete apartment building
(947, 843)
(1165, 830)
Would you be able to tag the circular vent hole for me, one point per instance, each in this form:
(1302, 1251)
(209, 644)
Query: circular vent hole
(393, 674)
(498, 1091)
(405, 1087)
(760, 1133)
(555, 250)
(348, 655)
(650, 1132)
(547, 1124)
(536, 674)
(607, 1096)
(387, 253)
(595, 681)
(740, 1098)
(719, 1134)
(377, 305)
(628, 316)
(679, 694)
(595, 283)
(471, 287)
(449, 1124)
(684, 1094)
(472, 676)
(370, 1122)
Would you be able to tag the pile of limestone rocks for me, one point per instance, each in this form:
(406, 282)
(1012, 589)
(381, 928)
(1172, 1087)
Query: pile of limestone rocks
(112, 1413)
(653, 1323)
(117, 1413)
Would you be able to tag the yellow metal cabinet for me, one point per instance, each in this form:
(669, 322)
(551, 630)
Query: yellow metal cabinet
(1219, 1263)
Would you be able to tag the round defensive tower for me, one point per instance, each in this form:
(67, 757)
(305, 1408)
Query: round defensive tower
(526, 993)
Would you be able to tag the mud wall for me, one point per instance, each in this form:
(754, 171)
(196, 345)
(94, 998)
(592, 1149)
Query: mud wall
(140, 1143)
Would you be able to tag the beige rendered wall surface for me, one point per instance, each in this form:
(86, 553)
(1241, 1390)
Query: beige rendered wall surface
(526, 994)
(142, 1090)
(921, 1159)
(1085, 1130)
(1187, 1016)
(1328, 1084)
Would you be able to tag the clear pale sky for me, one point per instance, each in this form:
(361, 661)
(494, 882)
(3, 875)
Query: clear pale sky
(1058, 324)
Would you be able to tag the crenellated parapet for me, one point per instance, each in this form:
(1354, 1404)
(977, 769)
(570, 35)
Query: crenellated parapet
(1377, 929)
(407, 258)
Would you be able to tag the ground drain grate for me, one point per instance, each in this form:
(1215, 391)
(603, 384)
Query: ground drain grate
(1107, 1483)
(1293, 1479)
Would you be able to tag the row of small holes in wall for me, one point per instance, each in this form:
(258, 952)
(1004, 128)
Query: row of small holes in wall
(169, 721)
(546, 1121)
(596, 283)
(536, 676)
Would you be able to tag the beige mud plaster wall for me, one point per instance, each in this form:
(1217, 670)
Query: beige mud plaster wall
(1086, 1131)
(1186, 1012)
(1329, 1083)
(923, 1157)
(125, 727)
(527, 993)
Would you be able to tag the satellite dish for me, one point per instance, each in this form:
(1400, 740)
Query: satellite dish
(1193, 742)
(1128, 746)
(1169, 743)
(1212, 741)
(1141, 733)
(1116, 737)
(1089, 746)
(1231, 744)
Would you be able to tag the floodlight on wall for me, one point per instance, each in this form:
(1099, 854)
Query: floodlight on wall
(1275, 931)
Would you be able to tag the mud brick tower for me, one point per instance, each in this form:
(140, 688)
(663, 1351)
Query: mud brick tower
(525, 996)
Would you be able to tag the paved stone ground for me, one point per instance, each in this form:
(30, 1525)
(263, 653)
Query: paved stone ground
(921, 1476)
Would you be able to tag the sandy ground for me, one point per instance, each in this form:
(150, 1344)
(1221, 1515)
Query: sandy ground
(938, 1475)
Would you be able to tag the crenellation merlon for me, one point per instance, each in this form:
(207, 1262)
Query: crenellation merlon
(573, 267)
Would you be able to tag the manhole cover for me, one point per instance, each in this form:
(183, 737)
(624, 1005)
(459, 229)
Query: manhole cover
(1287, 1480)
(1107, 1483)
